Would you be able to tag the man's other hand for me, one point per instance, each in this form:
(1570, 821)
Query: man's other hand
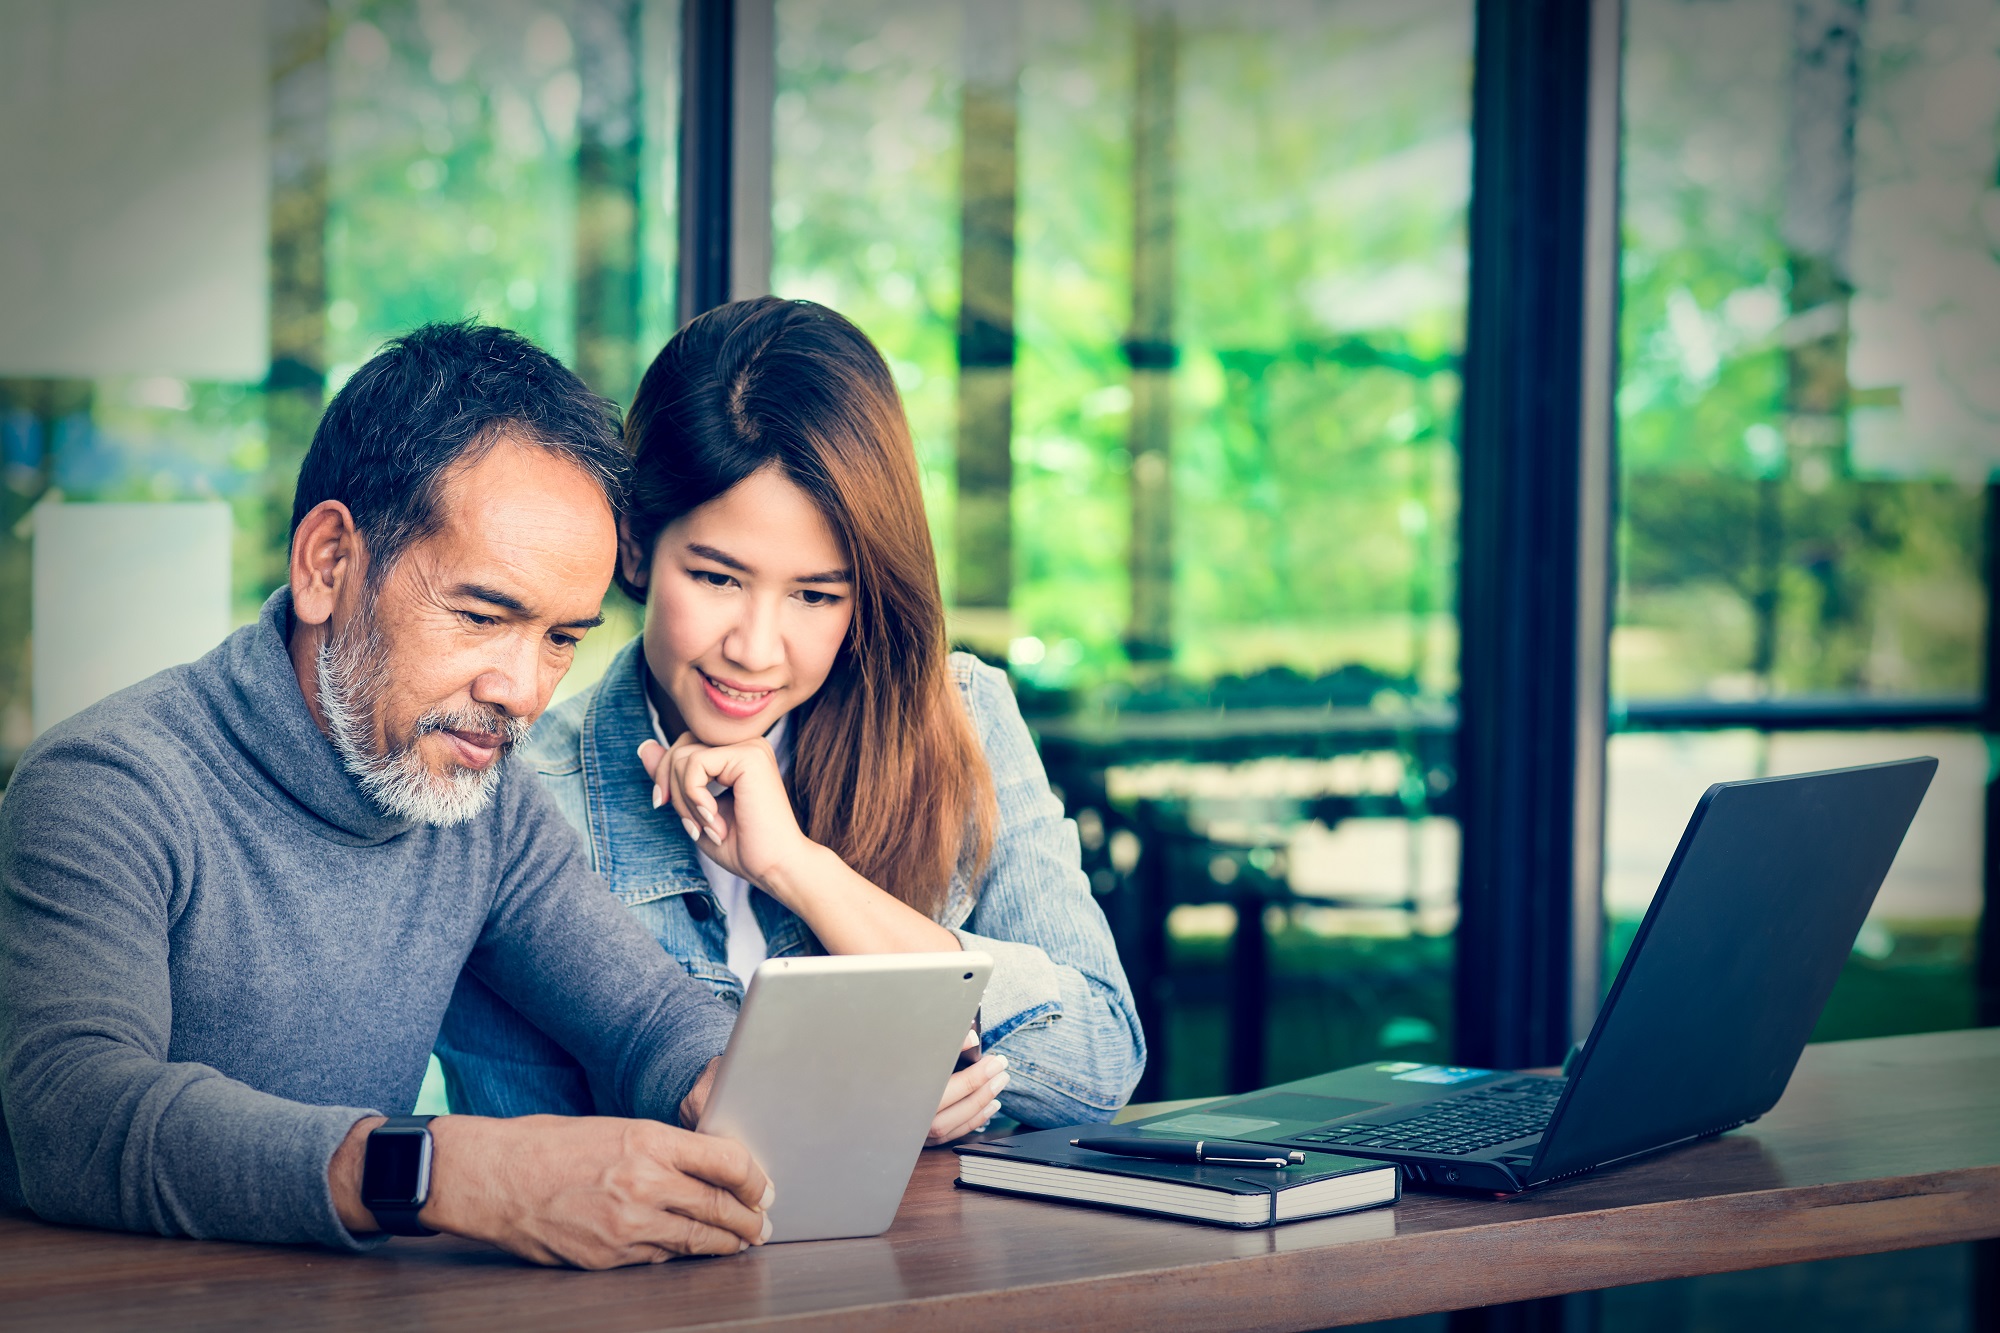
(696, 1101)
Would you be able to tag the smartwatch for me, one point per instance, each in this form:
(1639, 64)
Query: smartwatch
(396, 1174)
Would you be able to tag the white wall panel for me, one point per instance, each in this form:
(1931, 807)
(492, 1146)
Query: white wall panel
(122, 591)
(134, 188)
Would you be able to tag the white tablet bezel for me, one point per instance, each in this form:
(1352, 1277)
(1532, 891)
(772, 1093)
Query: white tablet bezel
(832, 1075)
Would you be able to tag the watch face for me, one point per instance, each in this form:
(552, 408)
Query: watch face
(397, 1168)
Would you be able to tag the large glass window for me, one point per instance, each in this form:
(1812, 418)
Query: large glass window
(1175, 296)
(1805, 430)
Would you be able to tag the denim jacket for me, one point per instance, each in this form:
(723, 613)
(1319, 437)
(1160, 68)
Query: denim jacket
(1057, 1006)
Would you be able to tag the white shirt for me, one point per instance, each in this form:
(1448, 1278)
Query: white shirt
(746, 938)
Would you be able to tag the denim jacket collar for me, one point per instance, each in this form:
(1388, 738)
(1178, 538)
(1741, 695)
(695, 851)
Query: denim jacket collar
(643, 853)
(625, 829)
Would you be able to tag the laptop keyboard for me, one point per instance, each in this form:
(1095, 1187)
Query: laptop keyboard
(1456, 1126)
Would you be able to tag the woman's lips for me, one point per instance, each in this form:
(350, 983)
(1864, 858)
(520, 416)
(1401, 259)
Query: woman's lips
(732, 700)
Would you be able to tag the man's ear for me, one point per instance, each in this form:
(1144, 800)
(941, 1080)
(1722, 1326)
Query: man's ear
(327, 556)
(635, 563)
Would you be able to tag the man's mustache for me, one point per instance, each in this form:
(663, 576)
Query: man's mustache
(503, 728)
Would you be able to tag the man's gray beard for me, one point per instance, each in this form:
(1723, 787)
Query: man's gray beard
(352, 678)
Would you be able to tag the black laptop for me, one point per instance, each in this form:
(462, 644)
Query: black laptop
(1725, 980)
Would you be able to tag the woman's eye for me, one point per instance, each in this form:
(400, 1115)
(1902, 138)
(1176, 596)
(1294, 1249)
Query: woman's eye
(712, 579)
(814, 597)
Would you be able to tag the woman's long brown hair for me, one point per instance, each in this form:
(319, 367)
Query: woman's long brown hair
(887, 771)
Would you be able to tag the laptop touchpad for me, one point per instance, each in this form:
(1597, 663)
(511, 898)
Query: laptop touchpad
(1301, 1106)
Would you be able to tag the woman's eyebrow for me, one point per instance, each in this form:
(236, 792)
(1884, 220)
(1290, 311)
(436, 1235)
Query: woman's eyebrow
(725, 559)
(719, 557)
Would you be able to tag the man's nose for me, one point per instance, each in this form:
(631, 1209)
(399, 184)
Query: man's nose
(511, 680)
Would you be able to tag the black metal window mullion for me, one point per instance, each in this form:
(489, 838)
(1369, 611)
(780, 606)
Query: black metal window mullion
(707, 152)
(1986, 978)
(1521, 616)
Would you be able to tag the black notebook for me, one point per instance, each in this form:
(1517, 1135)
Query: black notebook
(1045, 1165)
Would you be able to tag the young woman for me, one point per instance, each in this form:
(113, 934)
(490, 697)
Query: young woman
(788, 760)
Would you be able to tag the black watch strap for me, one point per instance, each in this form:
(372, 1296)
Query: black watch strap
(399, 1134)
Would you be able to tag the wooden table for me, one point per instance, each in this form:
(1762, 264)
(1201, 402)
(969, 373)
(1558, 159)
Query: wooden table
(1878, 1145)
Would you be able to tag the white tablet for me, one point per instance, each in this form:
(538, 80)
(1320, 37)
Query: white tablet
(833, 1074)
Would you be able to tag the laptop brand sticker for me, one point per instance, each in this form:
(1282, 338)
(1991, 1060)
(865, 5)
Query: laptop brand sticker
(1440, 1074)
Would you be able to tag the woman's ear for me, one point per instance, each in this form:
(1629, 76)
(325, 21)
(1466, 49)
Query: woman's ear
(634, 561)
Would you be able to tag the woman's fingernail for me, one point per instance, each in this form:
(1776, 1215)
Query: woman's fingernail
(659, 798)
(694, 834)
(641, 751)
(1002, 1059)
(993, 1110)
(999, 1084)
(767, 1232)
(770, 1193)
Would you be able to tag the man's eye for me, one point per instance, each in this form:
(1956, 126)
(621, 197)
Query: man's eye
(564, 640)
(474, 618)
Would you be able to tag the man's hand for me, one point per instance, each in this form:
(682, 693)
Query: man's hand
(594, 1191)
(970, 1097)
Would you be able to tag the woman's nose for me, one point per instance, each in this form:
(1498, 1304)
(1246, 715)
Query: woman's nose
(756, 644)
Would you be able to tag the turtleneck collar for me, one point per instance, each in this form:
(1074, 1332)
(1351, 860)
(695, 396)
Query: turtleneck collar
(258, 702)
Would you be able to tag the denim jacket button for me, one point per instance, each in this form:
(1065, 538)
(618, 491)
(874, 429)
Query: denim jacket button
(698, 907)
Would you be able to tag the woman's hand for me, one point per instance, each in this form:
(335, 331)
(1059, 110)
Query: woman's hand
(748, 830)
(969, 1097)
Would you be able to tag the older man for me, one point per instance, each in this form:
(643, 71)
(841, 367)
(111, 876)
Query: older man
(234, 899)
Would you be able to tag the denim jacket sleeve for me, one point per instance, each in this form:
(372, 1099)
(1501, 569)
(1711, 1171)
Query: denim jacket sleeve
(1058, 1005)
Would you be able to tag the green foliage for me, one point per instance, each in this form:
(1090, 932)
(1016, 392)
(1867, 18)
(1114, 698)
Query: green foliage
(1072, 505)
(452, 186)
(865, 188)
(1321, 169)
(1730, 536)
(1874, 584)
(1326, 168)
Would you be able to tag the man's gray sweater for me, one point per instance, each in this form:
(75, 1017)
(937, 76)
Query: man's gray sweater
(217, 954)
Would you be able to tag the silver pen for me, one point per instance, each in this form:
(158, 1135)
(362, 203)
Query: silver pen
(1200, 1152)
